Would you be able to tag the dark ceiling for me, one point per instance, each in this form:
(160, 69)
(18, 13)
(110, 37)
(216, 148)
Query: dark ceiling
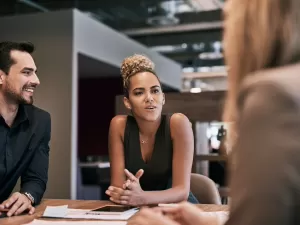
(195, 27)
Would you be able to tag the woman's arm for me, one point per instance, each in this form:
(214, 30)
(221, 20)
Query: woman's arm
(184, 213)
(116, 151)
(183, 152)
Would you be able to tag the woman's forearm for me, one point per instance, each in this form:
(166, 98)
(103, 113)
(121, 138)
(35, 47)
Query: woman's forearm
(172, 195)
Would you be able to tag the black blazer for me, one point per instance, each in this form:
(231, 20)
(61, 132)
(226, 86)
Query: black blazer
(24, 152)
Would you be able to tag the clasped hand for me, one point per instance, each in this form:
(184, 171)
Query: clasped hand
(131, 192)
(16, 204)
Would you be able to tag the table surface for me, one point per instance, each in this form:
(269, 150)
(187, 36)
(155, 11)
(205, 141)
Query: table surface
(80, 204)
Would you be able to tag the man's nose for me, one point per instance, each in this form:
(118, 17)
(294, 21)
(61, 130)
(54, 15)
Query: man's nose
(35, 80)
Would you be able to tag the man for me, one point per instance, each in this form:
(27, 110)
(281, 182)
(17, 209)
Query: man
(24, 131)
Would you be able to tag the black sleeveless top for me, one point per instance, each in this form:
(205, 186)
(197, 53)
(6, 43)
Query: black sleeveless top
(158, 170)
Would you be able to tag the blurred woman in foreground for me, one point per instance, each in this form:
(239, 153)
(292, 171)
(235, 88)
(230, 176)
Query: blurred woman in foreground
(262, 50)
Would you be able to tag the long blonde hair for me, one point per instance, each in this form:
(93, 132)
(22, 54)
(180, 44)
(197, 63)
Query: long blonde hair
(258, 34)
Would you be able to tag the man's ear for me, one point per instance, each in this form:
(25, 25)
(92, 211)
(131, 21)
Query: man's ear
(127, 103)
(2, 74)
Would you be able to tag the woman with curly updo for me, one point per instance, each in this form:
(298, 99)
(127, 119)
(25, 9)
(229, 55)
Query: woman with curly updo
(151, 153)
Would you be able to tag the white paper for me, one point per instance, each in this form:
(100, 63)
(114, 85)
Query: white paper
(47, 222)
(65, 212)
(86, 214)
(56, 211)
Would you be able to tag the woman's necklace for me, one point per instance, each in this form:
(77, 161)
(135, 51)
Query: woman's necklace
(142, 140)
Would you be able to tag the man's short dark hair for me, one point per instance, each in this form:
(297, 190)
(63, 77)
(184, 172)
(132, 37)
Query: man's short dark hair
(5, 49)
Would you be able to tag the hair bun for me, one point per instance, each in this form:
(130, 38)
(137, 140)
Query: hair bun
(135, 64)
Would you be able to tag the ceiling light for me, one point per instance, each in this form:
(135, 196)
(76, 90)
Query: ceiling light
(188, 69)
(205, 5)
(210, 55)
(163, 20)
(195, 90)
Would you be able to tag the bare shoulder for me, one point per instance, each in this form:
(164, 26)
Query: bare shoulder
(179, 120)
(181, 131)
(118, 122)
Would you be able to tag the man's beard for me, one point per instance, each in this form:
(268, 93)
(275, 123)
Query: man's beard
(13, 96)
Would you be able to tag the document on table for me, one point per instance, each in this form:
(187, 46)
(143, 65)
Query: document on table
(46, 222)
(66, 213)
(87, 214)
(56, 211)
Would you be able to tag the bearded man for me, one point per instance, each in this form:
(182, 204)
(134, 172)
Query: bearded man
(24, 131)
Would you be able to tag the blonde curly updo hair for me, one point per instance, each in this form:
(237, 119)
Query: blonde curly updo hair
(134, 64)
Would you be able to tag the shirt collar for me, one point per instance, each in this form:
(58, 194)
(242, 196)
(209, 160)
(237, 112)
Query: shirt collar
(22, 115)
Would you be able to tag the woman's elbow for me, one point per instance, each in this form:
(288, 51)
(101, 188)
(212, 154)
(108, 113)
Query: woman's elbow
(183, 193)
(186, 194)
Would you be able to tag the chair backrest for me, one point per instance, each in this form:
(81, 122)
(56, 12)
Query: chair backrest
(204, 189)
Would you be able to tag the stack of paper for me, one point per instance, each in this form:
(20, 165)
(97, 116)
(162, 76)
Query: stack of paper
(86, 214)
(65, 212)
(56, 211)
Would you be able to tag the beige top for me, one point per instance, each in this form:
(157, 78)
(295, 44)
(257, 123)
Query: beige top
(265, 184)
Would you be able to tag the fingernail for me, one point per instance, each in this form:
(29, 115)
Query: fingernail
(8, 214)
(110, 188)
(107, 192)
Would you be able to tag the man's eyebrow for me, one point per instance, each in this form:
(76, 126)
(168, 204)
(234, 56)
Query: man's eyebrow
(29, 68)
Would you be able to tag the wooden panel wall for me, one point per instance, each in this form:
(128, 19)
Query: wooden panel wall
(204, 106)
